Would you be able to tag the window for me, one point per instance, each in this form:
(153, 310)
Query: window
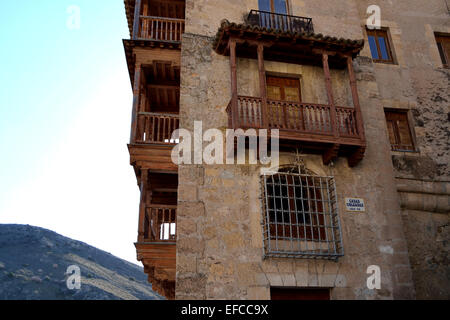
(399, 131)
(275, 6)
(379, 46)
(300, 215)
(283, 89)
(443, 44)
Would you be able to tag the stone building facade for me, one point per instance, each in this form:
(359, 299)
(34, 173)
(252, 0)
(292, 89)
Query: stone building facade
(404, 229)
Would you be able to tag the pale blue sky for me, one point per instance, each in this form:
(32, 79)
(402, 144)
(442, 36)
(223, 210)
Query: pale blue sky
(65, 109)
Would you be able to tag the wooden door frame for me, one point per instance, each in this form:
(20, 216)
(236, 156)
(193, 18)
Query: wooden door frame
(287, 75)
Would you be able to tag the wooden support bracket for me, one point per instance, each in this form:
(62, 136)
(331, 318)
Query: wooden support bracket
(330, 154)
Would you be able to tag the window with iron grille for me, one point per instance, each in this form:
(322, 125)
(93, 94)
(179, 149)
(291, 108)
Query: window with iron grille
(300, 215)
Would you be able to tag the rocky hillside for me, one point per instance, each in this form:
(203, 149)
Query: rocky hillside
(34, 261)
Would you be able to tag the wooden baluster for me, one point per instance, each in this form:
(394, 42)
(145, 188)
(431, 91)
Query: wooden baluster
(302, 117)
(253, 112)
(310, 124)
(321, 119)
(153, 131)
(170, 129)
(145, 128)
(248, 107)
(244, 108)
(165, 30)
(158, 129)
(164, 133)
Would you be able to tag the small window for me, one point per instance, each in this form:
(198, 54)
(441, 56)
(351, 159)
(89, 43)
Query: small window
(300, 215)
(443, 44)
(399, 130)
(380, 46)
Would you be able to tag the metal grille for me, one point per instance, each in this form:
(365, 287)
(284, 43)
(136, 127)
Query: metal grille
(300, 217)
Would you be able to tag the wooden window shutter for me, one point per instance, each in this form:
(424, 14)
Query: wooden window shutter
(443, 43)
(399, 131)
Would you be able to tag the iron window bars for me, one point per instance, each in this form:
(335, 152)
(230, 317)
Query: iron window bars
(300, 217)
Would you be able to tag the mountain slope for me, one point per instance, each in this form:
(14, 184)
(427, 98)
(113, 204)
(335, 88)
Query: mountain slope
(34, 261)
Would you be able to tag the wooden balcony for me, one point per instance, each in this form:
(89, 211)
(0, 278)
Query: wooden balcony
(151, 20)
(326, 129)
(306, 126)
(155, 116)
(156, 248)
(303, 120)
(281, 22)
(156, 128)
(151, 143)
(160, 29)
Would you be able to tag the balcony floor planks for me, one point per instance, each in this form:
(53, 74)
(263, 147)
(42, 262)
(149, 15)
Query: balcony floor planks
(152, 156)
(158, 257)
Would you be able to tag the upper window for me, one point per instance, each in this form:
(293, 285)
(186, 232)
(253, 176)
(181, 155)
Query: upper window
(275, 6)
(380, 46)
(399, 130)
(443, 44)
(300, 215)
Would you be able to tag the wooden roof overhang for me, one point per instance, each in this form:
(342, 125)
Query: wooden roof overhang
(129, 45)
(291, 47)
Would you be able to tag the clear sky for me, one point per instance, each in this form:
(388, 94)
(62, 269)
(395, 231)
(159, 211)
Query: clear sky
(65, 112)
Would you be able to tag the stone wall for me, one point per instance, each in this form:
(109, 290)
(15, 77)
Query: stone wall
(219, 248)
(419, 83)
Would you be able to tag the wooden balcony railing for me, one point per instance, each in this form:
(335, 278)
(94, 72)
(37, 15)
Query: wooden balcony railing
(160, 223)
(296, 117)
(282, 22)
(156, 127)
(161, 29)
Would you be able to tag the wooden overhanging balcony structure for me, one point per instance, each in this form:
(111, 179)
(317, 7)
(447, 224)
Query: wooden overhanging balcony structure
(157, 235)
(155, 116)
(153, 55)
(327, 129)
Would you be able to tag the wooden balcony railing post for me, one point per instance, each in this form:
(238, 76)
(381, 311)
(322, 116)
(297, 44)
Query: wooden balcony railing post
(136, 101)
(333, 116)
(262, 86)
(356, 105)
(137, 19)
(142, 205)
(234, 93)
